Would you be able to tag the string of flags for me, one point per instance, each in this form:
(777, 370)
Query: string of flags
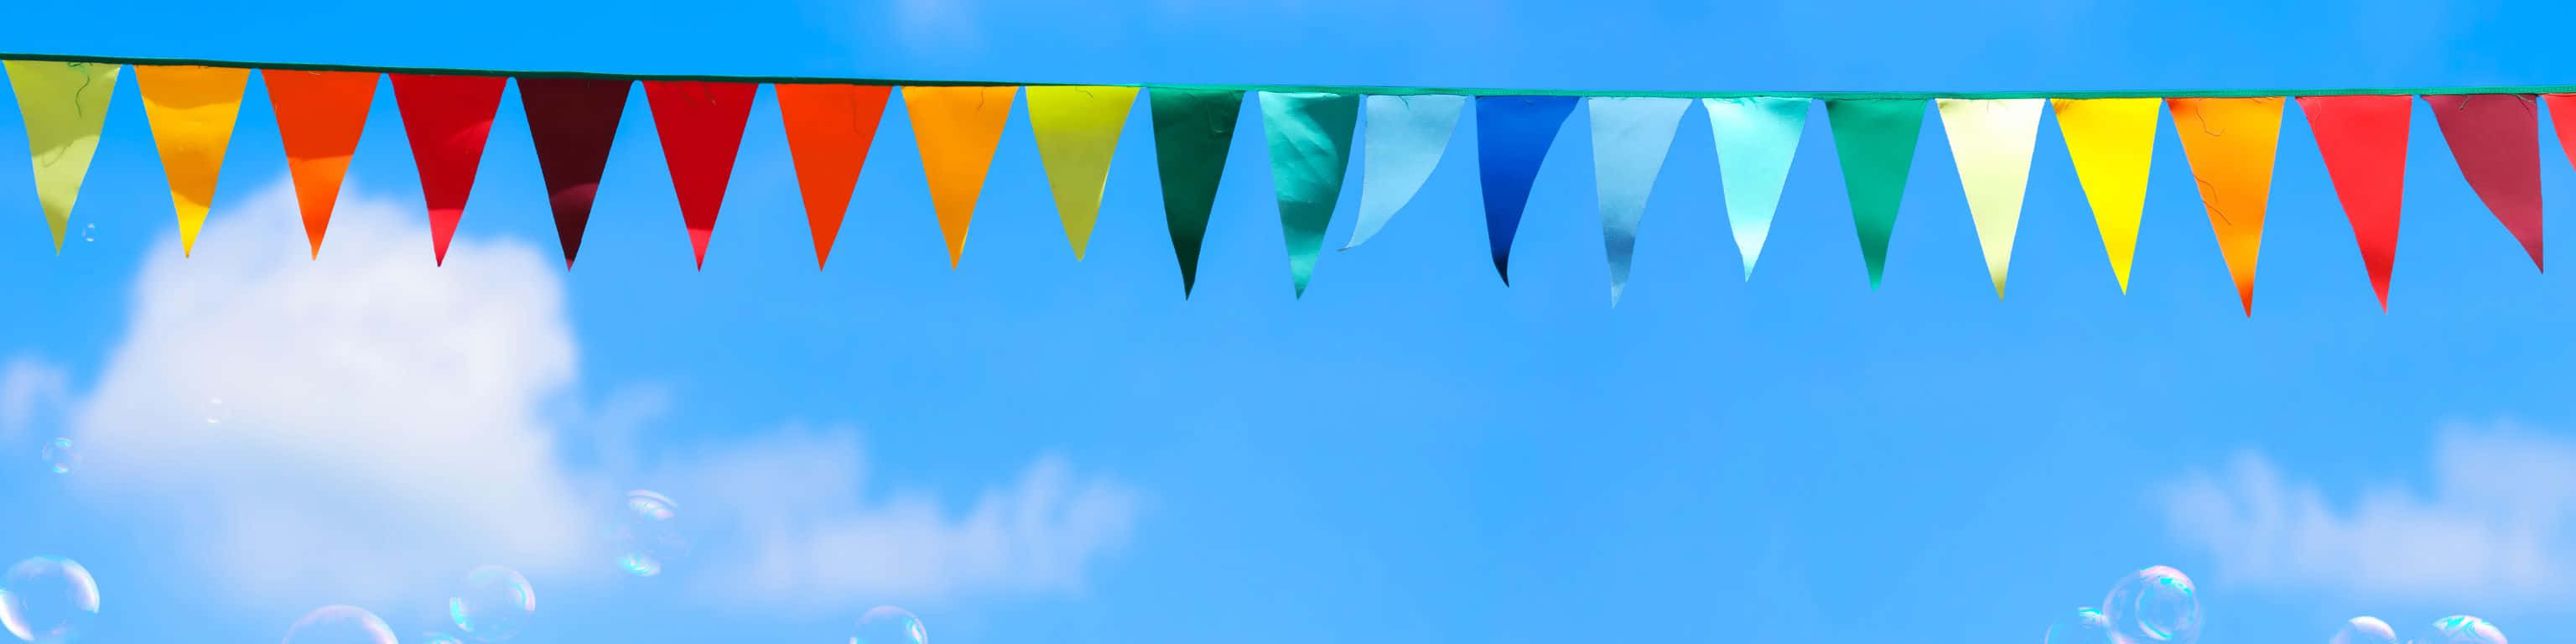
(2228, 137)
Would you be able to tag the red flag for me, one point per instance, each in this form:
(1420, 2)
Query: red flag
(573, 121)
(2496, 138)
(829, 128)
(448, 118)
(2363, 139)
(701, 127)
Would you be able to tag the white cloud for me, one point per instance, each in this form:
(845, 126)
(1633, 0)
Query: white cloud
(2495, 526)
(384, 426)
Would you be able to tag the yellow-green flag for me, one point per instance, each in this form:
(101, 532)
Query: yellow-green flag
(1077, 132)
(192, 110)
(65, 105)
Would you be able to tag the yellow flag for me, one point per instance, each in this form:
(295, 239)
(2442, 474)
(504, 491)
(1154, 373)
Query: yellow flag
(191, 109)
(2113, 141)
(957, 129)
(1077, 131)
(2231, 142)
(65, 104)
(1991, 139)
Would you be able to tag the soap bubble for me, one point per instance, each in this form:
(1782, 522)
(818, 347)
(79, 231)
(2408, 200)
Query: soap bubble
(47, 600)
(2460, 629)
(60, 457)
(2081, 626)
(339, 625)
(890, 625)
(2156, 604)
(435, 637)
(89, 232)
(494, 604)
(2365, 630)
(645, 533)
(214, 411)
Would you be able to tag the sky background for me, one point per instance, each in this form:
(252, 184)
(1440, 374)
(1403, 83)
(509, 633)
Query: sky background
(1028, 448)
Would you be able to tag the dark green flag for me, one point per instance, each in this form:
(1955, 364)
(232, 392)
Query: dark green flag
(1192, 130)
(1875, 138)
(1310, 150)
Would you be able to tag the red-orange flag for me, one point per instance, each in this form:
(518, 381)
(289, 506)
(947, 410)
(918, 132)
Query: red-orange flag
(829, 129)
(448, 119)
(319, 118)
(701, 127)
(2496, 138)
(2363, 139)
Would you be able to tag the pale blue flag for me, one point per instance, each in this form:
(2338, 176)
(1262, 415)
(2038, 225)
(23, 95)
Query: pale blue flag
(1630, 137)
(1756, 139)
(1405, 137)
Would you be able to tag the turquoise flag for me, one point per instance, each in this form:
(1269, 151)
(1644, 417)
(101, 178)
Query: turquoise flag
(1630, 137)
(1875, 138)
(1310, 150)
(1756, 139)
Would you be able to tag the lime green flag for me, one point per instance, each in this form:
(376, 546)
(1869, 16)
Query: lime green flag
(1192, 131)
(1875, 138)
(1310, 150)
(65, 105)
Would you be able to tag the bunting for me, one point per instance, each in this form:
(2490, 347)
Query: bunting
(1991, 140)
(448, 119)
(2113, 143)
(1512, 137)
(2363, 140)
(1630, 137)
(65, 106)
(1077, 134)
(957, 129)
(829, 131)
(1310, 150)
(319, 118)
(1875, 140)
(2562, 118)
(2496, 138)
(701, 128)
(1192, 131)
(191, 110)
(2230, 143)
(1406, 136)
(572, 122)
(1756, 139)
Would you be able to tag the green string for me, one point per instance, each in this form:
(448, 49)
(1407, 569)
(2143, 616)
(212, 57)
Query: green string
(1339, 89)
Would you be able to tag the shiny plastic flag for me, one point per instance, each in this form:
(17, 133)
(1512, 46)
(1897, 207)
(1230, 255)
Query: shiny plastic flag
(1630, 137)
(1077, 133)
(1757, 137)
(1513, 134)
(2231, 143)
(2113, 142)
(957, 129)
(2496, 138)
(2363, 140)
(701, 127)
(1406, 136)
(1192, 131)
(192, 110)
(448, 119)
(1310, 150)
(320, 116)
(573, 123)
(65, 105)
(829, 131)
(1991, 140)
(1874, 139)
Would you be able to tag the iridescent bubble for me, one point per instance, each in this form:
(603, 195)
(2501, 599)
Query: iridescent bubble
(494, 604)
(2365, 630)
(60, 457)
(214, 411)
(339, 625)
(890, 625)
(89, 232)
(435, 637)
(2156, 604)
(2460, 629)
(48, 600)
(645, 534)
(2081, 626)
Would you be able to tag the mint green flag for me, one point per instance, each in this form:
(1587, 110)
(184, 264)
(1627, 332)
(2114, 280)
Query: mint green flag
(1192, 131)
(1875, 138)
(1310, 150)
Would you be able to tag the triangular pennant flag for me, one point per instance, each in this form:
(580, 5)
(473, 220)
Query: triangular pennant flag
(1875, 140)
(65, 105)
(448, 118)
(2562, 117)
(829, 131)
(1192, 131)
(1630, 137)
(700, 123)
(1406, 136)
(1756, 139)
(2230, 142)
(1310, 150)
(1512, 137)
(319, 118)
(2363, 140)
(573, 122)
(1077, 133)
(2112, 141)
(192, 110)
(2496, 138)
(957, 129)
(1991, 140)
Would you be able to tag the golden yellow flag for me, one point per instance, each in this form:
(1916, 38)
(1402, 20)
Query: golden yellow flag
(191, 109)
(957, 129)
(2113, 142)
(65, 104)
(1077, 132)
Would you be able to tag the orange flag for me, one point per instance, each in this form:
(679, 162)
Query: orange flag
(829, 129)
(2230, 142)
(191, 110)
(319, 118)
(957, 129)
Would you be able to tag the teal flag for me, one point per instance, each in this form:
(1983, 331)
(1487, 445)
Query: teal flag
(1192, 130)
(1630, 137)
(1875, 138)
(1310, 150)
(1406, 136)
(1756, 139)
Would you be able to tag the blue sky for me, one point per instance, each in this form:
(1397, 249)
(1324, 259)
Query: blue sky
(1027, 448)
